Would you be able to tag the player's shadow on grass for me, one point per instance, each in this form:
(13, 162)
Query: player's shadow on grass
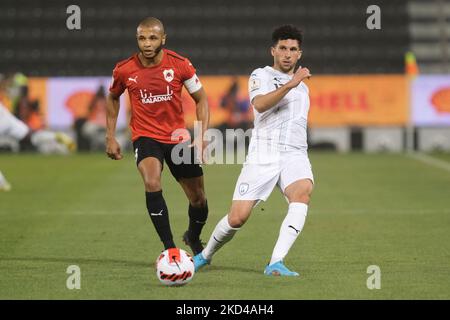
(77, 261)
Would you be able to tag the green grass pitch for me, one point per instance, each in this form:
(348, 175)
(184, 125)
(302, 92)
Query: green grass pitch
(386, 210)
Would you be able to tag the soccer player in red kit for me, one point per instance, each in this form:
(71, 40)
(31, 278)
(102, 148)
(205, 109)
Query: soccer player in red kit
(154, 78)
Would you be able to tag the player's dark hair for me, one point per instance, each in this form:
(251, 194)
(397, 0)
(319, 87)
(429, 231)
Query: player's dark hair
(285, 32)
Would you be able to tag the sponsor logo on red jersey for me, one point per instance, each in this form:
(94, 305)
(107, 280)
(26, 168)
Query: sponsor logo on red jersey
(147, 98)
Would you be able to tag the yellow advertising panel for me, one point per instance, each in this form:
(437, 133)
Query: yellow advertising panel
(367, 100)
(358, 100)
(375, 100)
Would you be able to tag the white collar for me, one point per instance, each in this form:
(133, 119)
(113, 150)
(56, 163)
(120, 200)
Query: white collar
(279, 72)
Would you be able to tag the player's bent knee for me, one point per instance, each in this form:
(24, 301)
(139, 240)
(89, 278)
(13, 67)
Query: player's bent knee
(300, 193)
(304, 198)
(152, 185)
(199, 200)
(236, 221)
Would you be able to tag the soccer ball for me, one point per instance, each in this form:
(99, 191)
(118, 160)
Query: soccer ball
(175, 267)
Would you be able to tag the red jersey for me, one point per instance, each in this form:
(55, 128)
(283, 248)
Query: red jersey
(155, 94)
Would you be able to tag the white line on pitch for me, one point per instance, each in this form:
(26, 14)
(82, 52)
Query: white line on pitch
(438, 163)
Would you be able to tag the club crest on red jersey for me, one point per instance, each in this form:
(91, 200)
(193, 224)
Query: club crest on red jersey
(168, 74)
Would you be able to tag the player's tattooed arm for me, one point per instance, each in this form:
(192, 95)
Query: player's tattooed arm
(112, 112)
(264, 102)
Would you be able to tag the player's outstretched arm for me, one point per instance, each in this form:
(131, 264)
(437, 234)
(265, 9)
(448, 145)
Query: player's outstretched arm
(264, 102)
(202, 110)
(112, 112)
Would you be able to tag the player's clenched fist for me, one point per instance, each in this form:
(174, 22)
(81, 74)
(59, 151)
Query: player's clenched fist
(299, 76)
(113, 149)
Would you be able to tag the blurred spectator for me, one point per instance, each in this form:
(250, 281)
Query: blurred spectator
(94, 129)
(4, 96)
(239, 114)
(15, 87)
(28, 111)
(28, 135)
(90, 122)
(43, 141)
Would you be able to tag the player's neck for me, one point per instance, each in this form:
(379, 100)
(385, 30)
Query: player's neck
(277, 67)
(150, 62)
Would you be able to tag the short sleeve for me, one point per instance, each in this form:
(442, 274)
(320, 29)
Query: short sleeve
(306, 87)
(189, 77)
(117, 86)
(187, 70)
(257, 84)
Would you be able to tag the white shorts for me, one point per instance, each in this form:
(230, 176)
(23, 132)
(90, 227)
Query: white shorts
(257, 180)
(10, 126)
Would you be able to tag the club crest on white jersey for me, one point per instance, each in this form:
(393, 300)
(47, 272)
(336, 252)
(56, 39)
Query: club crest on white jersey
(255, 84)
(243, 188)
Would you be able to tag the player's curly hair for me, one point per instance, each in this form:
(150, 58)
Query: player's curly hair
(285, 32)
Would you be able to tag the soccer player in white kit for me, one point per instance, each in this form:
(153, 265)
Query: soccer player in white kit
(42, 140)
(277, 153)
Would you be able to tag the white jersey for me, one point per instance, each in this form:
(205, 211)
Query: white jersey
(278, 149)
(282, 127)
(10, 126)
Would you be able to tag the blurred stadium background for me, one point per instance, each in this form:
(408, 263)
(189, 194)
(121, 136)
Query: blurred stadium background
(366, 92)
(222, 37)
(382, 93)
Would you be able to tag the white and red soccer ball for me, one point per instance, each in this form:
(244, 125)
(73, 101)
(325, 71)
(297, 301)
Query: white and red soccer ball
(175, 267)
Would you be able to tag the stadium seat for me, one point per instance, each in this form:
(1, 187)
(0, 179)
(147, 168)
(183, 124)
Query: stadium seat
(223, 37)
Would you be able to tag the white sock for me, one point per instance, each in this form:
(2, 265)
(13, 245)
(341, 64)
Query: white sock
(221, 235)
(2, 178)
(42, 137)
(289, 231)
